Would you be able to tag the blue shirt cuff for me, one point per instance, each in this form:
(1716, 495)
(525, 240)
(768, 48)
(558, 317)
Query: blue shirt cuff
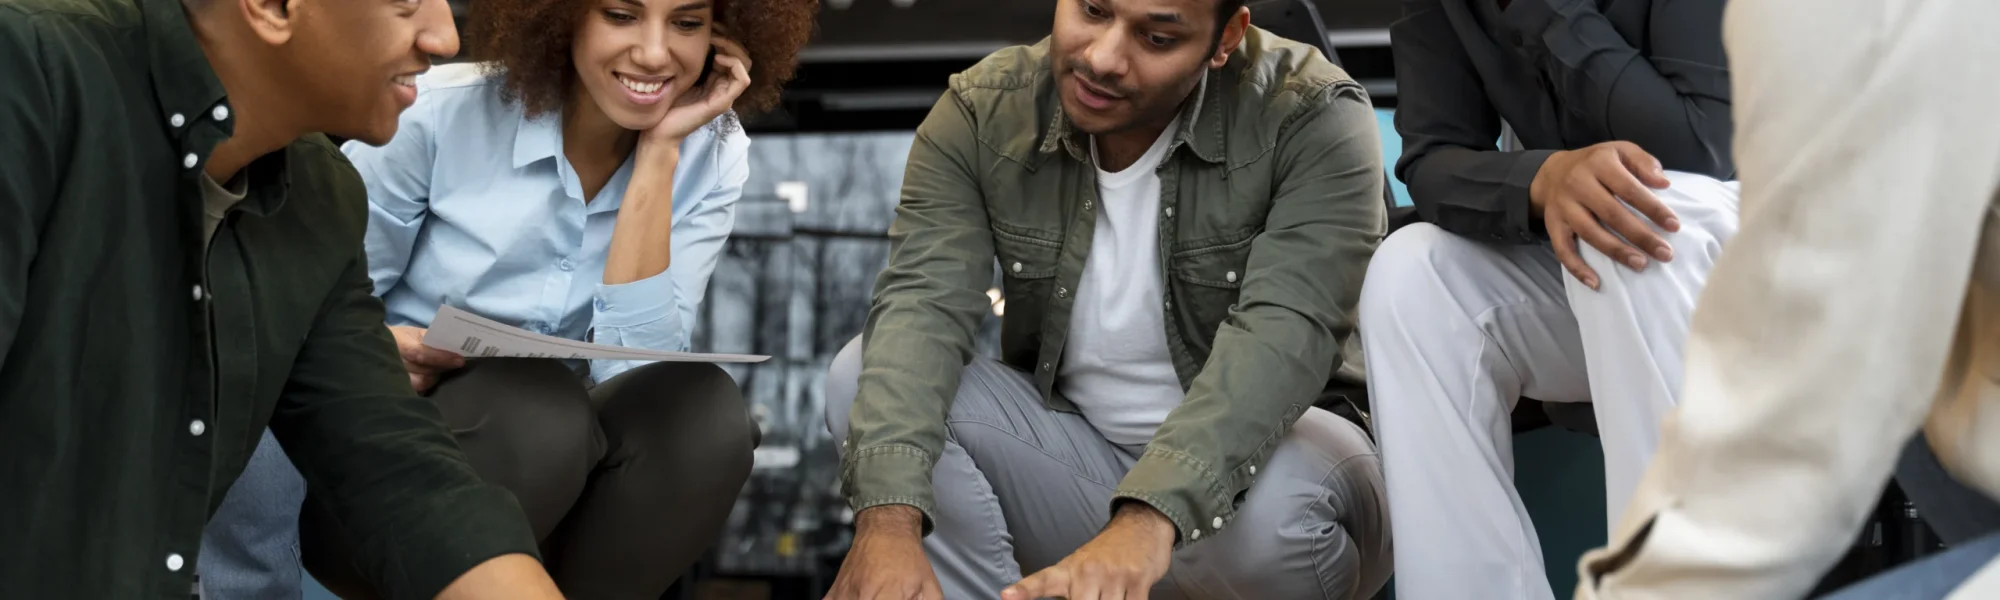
(635, 304)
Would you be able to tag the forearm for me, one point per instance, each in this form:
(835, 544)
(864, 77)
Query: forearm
(1458, 178)
(1479, 194)
(514, 576)
(393, 476)
(928, 304)
(642, 240)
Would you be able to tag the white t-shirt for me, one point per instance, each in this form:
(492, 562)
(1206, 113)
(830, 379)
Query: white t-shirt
(1116, 368)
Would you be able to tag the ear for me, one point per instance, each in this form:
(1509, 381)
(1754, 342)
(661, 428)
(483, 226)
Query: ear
(1232, 36)
(271, 20)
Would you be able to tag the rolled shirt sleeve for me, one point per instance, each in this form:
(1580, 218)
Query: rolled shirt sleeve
(658, 312)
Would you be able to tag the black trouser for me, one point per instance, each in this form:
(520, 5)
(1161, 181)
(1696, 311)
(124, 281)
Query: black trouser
(1955, 512)
(626, 485)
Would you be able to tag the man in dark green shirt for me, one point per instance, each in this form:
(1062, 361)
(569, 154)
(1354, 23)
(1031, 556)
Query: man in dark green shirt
(147, 337)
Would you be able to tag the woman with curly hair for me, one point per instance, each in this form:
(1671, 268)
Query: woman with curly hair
(580, 183)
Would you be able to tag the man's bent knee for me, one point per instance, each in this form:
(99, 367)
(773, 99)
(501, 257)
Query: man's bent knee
(1314, 524)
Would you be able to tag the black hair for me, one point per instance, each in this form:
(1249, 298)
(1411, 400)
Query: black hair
(1224, 10)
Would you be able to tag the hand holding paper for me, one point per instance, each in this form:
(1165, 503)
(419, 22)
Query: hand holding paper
(473, 336)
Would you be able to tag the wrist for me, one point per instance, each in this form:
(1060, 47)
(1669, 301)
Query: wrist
(1538, 187)
(1143, 517)
(658, 151)
(890, 520)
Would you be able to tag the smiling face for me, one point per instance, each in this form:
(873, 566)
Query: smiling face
(354, 62)
(635, 57)
(1129, 64)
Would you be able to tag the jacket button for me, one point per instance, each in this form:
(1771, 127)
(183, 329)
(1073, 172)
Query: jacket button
(1045, 366)
(175, 562)
(221, 112)
(1253, 469)
(190, 160)
(1062, 292)
(1086, 205)
(1170, 212)
(197, 427)
(1195, 535)
(1217, 522)
(197, 293)
(177, 120)
(1231, 276)
(1017, 267)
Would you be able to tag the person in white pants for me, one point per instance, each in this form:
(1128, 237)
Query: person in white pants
(1563, 272)
(1859, 303)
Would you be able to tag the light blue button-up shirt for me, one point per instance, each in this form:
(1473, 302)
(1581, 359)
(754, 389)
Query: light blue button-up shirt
(473, 205)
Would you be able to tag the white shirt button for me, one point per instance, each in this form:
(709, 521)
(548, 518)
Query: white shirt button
(1231, 276)
(1170, 212)
(177, 120)
(1217, 522)
(221, 112)
(1195, 535)
(175, 562)
(197, 293)
(1017, 267)
(564, 264)
(190, 160)
(197, 427)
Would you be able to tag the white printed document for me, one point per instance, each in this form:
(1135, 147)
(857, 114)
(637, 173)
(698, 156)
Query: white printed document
(473, 336)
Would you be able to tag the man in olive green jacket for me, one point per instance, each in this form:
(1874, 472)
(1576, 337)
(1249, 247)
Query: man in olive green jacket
(1182, 207)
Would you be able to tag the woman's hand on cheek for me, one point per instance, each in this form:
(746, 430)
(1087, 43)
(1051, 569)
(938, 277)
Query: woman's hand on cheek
(696, 107)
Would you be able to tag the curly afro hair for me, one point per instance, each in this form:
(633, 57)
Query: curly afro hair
(528, 42)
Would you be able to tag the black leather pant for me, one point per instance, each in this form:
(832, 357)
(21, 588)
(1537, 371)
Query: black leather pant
(626, 485)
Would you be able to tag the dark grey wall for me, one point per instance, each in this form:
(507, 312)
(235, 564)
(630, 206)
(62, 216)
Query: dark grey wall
(795, 286)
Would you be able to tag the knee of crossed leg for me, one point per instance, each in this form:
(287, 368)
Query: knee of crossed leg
(1404, 272)
(683, 412)
(1707, 211)
(520, 407)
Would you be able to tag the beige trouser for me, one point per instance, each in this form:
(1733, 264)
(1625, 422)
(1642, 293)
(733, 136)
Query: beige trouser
(1859, 301)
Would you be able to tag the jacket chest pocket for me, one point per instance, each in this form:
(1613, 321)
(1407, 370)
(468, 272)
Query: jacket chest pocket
(1028, 266)
(1209, 280)
(1028, 263)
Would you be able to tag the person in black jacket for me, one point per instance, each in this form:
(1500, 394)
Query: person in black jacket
(1561, 266)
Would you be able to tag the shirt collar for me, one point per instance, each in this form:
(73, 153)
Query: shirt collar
(1200, 126)
(183, 82)
(537, 138)
(270, 182)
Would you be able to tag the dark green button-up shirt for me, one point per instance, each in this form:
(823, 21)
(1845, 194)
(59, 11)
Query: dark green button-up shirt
(138, 368)
(1271, 205)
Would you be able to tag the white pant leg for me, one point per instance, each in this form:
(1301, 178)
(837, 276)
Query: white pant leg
(1454, 332)
(1634, 325)
(1869, 154)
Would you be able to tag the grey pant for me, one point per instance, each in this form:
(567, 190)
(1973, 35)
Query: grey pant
(1935, 577)
(1020, 486)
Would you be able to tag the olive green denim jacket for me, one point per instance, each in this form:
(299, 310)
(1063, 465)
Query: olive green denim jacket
(1270, 206)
